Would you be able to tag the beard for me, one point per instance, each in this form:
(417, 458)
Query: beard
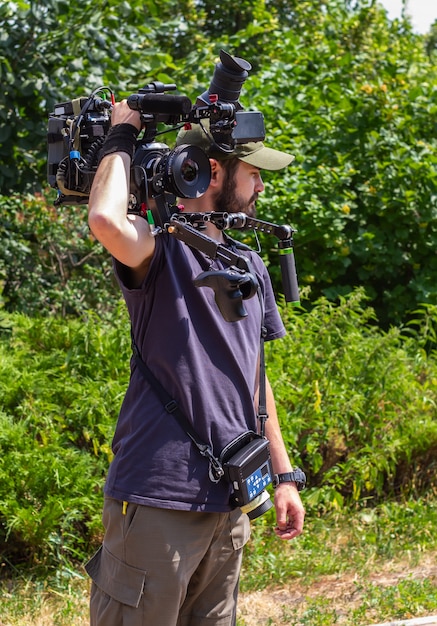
(229, 201)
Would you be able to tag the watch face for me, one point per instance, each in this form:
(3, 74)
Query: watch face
(300, 479)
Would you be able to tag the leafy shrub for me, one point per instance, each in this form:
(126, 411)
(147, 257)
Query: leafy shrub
(357, 407)
(358, 404)
(49, 262)
(353, 105)
(349, 92)
(61, 385)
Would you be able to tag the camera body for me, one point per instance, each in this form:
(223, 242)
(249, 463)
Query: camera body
(77, 130)
(247, 467)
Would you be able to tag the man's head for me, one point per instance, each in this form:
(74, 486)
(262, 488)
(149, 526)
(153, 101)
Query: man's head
(240, 180)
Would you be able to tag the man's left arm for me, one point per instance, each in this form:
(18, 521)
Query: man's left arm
(290, 512)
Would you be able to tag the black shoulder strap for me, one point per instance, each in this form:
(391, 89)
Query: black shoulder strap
(172, 407)
(262, 396)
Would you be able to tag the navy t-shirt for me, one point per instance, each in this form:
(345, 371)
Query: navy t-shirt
(208, 365)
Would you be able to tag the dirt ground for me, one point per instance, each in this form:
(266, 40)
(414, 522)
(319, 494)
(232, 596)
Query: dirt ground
(269, 607)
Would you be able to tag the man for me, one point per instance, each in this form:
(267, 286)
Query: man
(172, 550)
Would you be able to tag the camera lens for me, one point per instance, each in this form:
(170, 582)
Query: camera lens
(187, 171)
(259, 506)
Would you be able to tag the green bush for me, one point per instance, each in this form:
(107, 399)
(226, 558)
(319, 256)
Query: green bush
(357, 407)
(61, 385)
(358, 404)
(349, 92)
(353, 98)
(49, 262)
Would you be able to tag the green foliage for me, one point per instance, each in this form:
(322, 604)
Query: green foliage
(61, 385)
(350, 93)
(357, 404)
(352, 100)
(337, 542)
(49, 263)
(409, 597)
(357, 407)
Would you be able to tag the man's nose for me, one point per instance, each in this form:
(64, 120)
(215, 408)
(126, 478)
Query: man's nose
(259, 184)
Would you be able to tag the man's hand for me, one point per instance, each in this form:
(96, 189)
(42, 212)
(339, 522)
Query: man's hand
(290, 513)
(123, 114)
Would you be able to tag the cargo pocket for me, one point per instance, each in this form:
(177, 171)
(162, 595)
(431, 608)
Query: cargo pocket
(120, 581)
(240, 529)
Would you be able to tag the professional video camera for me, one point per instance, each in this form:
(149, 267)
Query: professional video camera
(78, 128)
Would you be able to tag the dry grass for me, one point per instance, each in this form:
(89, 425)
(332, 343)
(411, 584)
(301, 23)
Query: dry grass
(30, 607)
(270, 607)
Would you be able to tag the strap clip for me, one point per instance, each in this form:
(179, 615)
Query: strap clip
(171, 406)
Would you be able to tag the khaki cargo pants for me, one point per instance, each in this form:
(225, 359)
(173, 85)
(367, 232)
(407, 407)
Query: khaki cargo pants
(159, 567)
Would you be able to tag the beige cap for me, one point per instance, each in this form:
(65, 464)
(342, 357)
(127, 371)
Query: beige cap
(255, 152)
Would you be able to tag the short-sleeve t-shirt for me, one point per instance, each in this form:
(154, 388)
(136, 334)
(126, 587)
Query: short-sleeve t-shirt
(207, 364)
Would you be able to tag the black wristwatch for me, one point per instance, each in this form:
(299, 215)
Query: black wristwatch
(296, 476)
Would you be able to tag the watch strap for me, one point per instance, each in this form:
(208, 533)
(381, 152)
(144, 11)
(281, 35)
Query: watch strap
(296, 476)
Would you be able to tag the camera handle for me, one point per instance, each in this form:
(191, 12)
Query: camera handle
(232, 285)
(283, 232)
(241, 221)
(212, 248)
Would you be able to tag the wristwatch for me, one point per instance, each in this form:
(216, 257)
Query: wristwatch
(296, 476)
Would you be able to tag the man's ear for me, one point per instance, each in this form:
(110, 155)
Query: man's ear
(216, 172)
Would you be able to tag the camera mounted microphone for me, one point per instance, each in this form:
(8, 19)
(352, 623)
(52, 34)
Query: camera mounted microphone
(160, 104)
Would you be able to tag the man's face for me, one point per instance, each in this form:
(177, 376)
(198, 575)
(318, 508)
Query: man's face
(240, 190)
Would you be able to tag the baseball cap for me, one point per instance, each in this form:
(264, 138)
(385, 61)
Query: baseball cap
(254, 152)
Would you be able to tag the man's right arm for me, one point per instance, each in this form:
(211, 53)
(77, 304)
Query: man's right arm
(127, 237)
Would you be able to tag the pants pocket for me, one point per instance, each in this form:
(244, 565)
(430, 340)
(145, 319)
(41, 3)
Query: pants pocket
(120, 581)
